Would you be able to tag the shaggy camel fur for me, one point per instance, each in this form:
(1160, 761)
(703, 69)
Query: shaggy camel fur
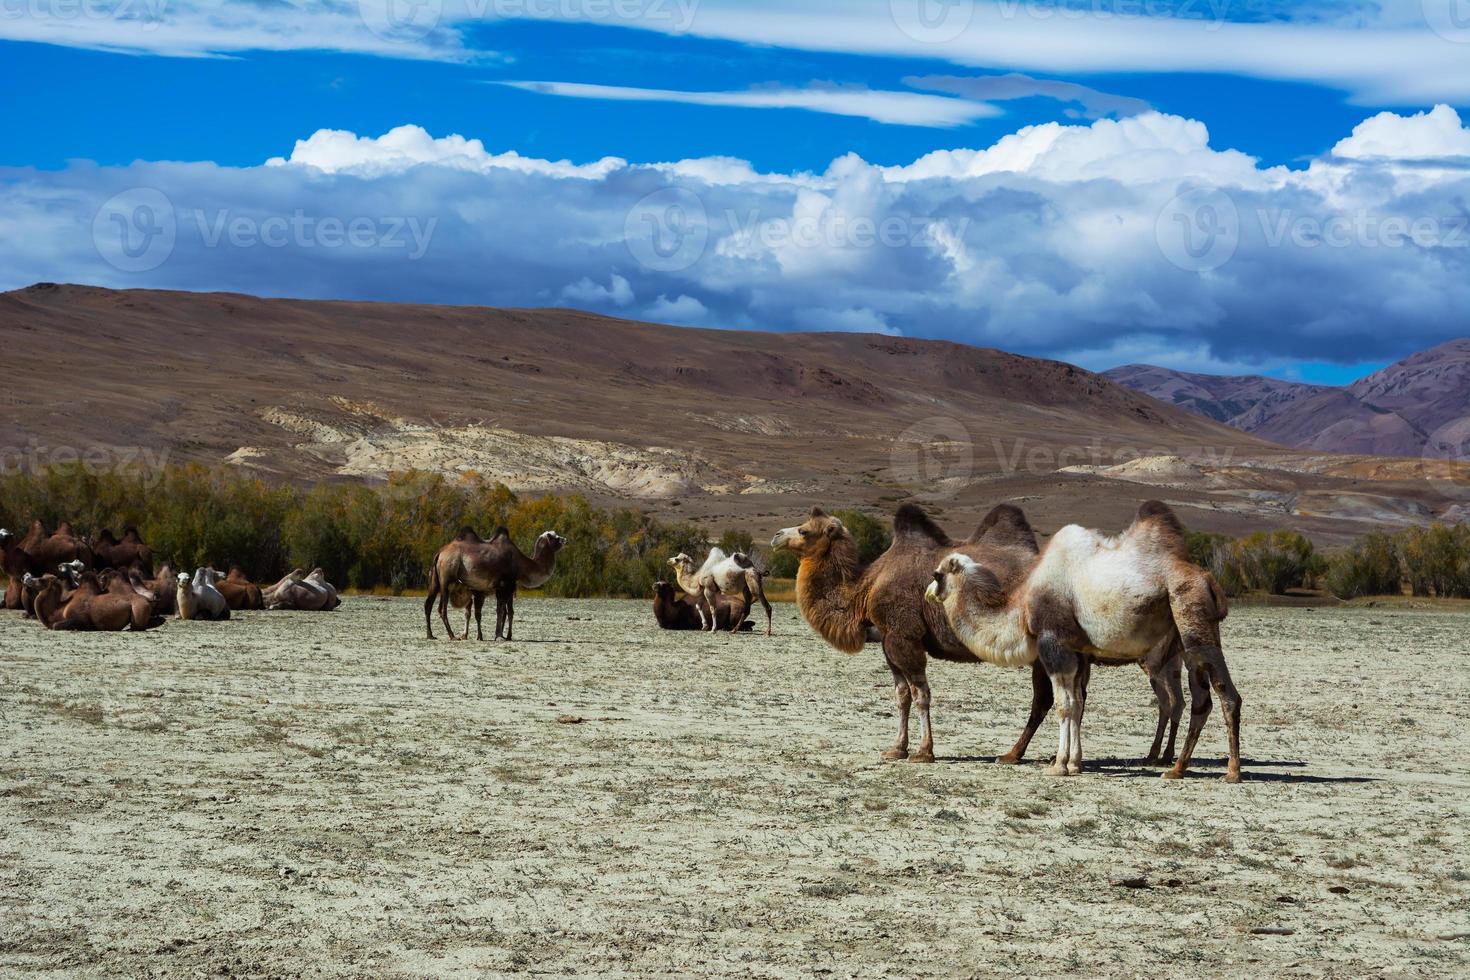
(1134, 598)
(841, 600)
(112, 553)
(721, 574)
(683, 613)
(484, 567)
(90, 607)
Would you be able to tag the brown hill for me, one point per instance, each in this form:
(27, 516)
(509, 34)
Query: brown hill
(1394, 412)
(732, 427)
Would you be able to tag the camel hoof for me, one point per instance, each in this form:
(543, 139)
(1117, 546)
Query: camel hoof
(1172, 774)
(1232, 777)
(895, 755)
(922, 757)
(1057, 769)
(1074, 769)
(1009, 759)
(1157, 762)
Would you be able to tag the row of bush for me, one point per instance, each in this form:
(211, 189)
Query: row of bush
(1431, 561)
(363, 536)
(383, 535)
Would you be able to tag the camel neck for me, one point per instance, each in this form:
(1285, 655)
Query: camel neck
(827, 589)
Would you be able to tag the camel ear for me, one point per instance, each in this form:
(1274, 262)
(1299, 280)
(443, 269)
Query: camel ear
(818, 512)
(835, 529)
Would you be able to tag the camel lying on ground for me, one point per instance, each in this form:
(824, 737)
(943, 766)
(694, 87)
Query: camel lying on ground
(38, 553)
(683, 613)
(303, 593)
(91, 607)
(239, 592)
(484, 567)
(1134, 598)
(732, 575)
(112, 553)
(198, 598)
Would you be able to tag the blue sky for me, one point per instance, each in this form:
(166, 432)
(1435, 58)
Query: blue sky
(1072, 140)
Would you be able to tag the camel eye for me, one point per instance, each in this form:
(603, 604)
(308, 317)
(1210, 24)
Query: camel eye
(805, 533)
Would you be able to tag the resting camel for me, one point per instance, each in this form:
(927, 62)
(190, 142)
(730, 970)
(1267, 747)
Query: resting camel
(198, 598)
(1133, 598)
(38, 553)
(721, 574)
(90, 607)
(240, 593)
(484, 567)
(303, 593)
(684, 613)
(130, 551)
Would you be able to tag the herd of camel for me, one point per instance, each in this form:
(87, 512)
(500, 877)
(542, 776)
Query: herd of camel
(110, 584)
(1086, 599)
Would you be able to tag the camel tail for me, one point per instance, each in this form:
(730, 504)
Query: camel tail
(1217, 594)
(1006, 525)
(912, 525)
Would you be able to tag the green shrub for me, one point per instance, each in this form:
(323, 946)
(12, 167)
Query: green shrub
(1369, 567)
(1268, 561)
(1436, 560)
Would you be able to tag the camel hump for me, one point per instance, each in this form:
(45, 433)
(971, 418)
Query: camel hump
(1006, 525)
(468, 533)
(501, 532)
(1164, 526)
(913, 526)
(130, 534)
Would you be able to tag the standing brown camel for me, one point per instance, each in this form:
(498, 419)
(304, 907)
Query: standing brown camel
(484, 567)
(130, 551)
(840, 600)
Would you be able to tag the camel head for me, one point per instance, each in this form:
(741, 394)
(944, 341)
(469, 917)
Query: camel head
(960, 575)
(551, 541)
(683, 563)
(663, 590)
(812, 539)
(72, 571)
(185, 582)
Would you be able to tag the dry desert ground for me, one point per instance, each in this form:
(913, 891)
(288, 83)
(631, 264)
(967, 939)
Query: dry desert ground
(332, 795)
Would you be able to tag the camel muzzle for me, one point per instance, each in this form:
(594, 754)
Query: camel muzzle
(931, 594)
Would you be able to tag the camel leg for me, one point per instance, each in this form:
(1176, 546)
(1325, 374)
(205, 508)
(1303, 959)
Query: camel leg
(429, 603)
(902, 699)
(1064, 668)
(1219, 676)
(1041, 702)
(505, 613)
(1170, 691)
(760, 593)
(479, 621)
(907, 661)
(1200, 705)
(711, 602)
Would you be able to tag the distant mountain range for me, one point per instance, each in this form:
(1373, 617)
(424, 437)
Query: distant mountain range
(1394, 412)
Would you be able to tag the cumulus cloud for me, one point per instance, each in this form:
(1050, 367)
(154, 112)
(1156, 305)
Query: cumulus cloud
(1132, 236)
(899, 108)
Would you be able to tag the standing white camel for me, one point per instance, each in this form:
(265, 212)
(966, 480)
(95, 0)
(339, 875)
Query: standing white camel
(1133, 598)
(732, 575)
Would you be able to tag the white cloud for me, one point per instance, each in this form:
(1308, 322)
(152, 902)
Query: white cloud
(1085, 241)
(585, 292)
(1424, 136)
(336, 151)
(901, 108)
(683, 310)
